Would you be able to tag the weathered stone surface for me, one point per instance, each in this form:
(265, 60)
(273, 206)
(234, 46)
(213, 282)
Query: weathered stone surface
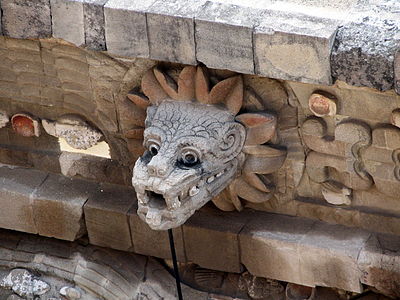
(298, 50)
(171, 30)
(269, 243)
(106, 214)
(17, 188)
(67, 21)
(380, 264)
(397, 72)
(58, 207)
(125, 27)
(212, 239)
(224, 36)
(154, 242)
(26, 18)
(328, 256)
(93, 13)
(363, 54)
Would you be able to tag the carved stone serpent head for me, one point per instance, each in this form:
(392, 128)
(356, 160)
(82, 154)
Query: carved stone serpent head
(194, 143)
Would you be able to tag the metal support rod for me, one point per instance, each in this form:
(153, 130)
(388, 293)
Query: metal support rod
(176, 270)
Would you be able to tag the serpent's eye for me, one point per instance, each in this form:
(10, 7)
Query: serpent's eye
(153, 148)
(190, 157)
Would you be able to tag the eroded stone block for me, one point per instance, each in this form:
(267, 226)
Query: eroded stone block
(93, 13)
(17, 188)
(269, 243)
(67, 20)
(298, 50)
(154, 242)
(26, 18)
(363, 54)
(171, 30)
(224, 36)
(212, 239)
(397, 71)
(58, 207)
(106, 216)
(125, 27)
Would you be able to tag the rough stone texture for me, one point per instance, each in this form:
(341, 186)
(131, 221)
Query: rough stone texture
(298, 50)
(106, 214)
(125, 27)
(26, 18)
(224, 36)
(397, 71)
(58, 207)
(363, 54)
(17, 188)
(67, 21)
(211, 240)
(93, 12)
(171, 30)
(153, 242)
(379, 262)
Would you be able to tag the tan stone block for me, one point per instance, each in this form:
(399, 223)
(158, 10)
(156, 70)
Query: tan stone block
(106, 216)
(58, 207)
(269, 243)
(153, 242)
(17, 187)
(385, 223)
(212, 239)
(379, 261)
(328, 256)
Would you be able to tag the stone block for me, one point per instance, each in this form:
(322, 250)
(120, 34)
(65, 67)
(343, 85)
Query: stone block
(125, 27)
(154, 242)
(93, 13)
(171, 30)
(17, 188)
(67, 20)
(212, 239)
(58, 207)
(106, 216)
(328, 256)
(224, 36)
(379, 260)
(397, 71)
(269, 243)
(363, 54)
(26, 18)
(298, 50)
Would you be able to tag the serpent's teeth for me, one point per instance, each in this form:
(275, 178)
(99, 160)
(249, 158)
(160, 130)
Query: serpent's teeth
(193, 191)
(210, 179)
(173, 203)
(219, 174)
(153, 217)
(142, 198)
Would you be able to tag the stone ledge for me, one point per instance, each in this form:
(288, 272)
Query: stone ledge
(289, 42)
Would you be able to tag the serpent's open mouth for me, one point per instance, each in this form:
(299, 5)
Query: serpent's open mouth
(172, 207)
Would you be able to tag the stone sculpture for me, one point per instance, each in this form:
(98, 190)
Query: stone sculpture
(197, 145)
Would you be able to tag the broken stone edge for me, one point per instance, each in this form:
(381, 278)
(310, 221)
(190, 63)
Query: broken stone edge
(345, 51)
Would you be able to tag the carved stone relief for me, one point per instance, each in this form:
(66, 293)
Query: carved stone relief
(200, 142)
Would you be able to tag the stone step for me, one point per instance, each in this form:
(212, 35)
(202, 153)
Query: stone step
(287, 248)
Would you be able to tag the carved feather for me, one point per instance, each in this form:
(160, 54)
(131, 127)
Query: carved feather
(152, 88)
(261, 127)
(140, 100)
(167, 83)
(186, 83)
(202, 86)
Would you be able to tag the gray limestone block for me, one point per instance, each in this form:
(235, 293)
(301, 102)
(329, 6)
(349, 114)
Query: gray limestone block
(125, 27)
(16, 188)
(68, 21)
(93, 12)
(397, 71)
(171, 30)
(298, 50)
(26, 18)
(224, 36)
(1, 15)
(363, 54)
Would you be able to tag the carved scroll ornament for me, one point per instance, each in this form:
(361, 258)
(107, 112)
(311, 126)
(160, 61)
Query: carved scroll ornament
(197, 145)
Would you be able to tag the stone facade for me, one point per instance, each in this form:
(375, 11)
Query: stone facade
(314, 199)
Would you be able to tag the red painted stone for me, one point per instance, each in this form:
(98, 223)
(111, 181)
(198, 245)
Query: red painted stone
(24, 125)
